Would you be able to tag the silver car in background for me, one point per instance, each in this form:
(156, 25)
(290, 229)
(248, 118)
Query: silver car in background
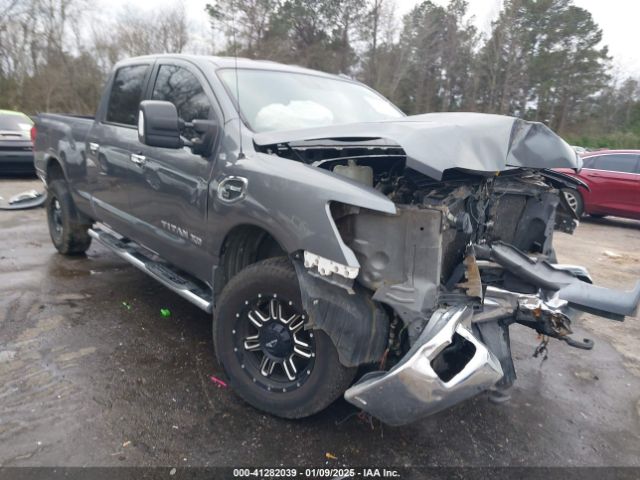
(16, 146)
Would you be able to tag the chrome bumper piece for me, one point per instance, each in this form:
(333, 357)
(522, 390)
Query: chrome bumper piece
(432, 376)
(448, 364)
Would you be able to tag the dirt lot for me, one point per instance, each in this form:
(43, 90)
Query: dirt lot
(85, 381)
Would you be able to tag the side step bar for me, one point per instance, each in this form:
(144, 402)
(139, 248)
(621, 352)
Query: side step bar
(180, 283)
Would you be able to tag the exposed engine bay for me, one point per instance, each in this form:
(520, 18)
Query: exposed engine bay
(464, 257)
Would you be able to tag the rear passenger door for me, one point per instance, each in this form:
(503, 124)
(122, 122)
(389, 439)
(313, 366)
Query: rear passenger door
(112, 145)
(614, 183)
(169, 195)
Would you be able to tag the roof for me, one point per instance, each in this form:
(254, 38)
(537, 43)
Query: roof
(230, 62)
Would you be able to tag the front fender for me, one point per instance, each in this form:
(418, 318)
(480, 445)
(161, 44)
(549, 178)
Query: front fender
(291, 201)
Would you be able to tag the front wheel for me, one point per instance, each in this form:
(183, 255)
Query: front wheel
(272, 361)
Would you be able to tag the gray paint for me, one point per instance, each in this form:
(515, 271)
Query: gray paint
(110, 188)
(288, 199)
(436, 142)
(567, 282)
(173, 197)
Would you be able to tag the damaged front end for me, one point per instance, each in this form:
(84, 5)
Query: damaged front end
(456, 268)
(446, 365)
(468, 252)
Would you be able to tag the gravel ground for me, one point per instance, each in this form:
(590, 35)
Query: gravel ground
(85, 381)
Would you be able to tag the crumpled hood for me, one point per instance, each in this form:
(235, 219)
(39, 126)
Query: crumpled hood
(436, 142)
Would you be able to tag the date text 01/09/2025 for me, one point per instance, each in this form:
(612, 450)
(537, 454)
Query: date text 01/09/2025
(342, 473)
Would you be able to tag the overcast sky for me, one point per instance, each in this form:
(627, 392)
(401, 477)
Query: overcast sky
(617, 18)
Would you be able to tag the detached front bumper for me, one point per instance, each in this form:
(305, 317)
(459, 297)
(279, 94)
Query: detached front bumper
(460, 354)
(445, 366)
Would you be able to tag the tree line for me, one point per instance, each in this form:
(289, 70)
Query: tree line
(541, 60)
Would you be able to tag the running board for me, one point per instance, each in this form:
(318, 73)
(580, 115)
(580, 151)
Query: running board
(179, 282)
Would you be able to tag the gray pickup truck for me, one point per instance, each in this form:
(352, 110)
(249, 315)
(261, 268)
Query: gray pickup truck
(342, 247)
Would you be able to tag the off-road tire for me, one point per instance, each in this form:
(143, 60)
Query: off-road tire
(69, 236)
(328, 378)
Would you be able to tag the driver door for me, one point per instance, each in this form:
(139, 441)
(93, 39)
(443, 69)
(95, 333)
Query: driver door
(169, 188)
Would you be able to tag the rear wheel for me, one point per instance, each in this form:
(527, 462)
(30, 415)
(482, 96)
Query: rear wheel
(68, 235)
(574, 199)
(272, 361)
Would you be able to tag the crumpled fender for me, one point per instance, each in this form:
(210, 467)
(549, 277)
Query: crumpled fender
(291, 201)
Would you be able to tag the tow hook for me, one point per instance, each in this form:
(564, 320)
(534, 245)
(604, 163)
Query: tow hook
(585, 344)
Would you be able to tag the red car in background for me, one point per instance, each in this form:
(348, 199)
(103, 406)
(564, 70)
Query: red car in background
(613, 177)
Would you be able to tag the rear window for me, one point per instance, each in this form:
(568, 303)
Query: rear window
(126, 93)
(15, 122)
(625, 163)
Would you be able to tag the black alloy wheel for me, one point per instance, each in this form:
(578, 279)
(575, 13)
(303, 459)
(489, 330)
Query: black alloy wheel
(264, 342)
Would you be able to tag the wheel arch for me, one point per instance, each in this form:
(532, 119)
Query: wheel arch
(357, 326)
(54, 169)
(244, 245)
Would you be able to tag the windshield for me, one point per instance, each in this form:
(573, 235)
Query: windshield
(273, 100)
(14, 121)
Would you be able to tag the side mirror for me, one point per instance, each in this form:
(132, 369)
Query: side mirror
(159, 125)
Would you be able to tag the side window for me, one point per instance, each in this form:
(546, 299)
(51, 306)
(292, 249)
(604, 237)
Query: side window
(589, 162)
(617, 163)
(179, 86)
(126, 93)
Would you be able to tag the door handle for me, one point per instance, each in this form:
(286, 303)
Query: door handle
(94, 147)
(138, 159)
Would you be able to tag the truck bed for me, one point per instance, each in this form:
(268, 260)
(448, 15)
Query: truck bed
(60, 133)
(78, 123)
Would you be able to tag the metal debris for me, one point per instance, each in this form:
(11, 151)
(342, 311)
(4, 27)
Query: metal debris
(25, 200)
